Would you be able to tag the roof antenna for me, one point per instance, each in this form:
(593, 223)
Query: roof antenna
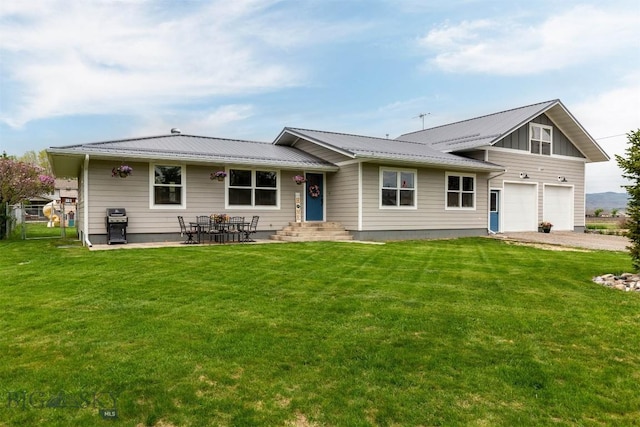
(422, 116)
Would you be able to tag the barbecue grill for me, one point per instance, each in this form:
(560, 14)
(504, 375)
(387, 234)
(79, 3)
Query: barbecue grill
(116, 222)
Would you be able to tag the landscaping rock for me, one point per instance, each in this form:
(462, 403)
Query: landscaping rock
(625, 282)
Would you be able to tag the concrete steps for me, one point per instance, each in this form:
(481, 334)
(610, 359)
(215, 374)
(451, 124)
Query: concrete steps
(312, 232)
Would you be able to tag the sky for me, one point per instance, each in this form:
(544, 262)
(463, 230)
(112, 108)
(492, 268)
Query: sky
(78, 71)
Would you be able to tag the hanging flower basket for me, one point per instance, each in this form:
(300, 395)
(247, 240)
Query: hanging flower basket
(219, 175)
(299, 179)
(122, 171)
(314, 191)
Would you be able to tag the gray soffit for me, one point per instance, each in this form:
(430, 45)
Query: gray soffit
(487, 130)
(197, 149)
(382, 149)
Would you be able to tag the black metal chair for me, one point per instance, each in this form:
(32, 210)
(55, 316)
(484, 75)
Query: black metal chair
(235, 227)
(186, 231)
(251, 229)
(204, 223)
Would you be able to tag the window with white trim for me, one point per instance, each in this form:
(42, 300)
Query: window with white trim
(397, 188)
(540, 139)
(461, 191)
(253, 188)
(168, 185)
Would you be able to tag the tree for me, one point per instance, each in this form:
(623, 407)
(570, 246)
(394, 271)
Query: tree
(630, 164)
(598, 212)
(20, 181)
(39, 159)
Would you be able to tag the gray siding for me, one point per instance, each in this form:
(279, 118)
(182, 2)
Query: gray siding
(321, 152)
(342, 196)
(431, 212)
(203, 197)
(519, 139)
(543, 169)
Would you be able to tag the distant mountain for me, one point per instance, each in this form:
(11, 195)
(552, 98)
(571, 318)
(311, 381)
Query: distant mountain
(606, 201)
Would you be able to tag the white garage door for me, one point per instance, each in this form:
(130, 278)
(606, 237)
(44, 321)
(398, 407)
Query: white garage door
(558, 206)
(520, 212)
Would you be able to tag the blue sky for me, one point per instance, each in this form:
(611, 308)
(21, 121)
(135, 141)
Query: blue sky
(83, 71)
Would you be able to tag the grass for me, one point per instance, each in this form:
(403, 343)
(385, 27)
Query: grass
(458, 332)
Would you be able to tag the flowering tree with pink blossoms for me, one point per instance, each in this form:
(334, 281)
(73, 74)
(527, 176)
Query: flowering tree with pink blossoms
(20, 181)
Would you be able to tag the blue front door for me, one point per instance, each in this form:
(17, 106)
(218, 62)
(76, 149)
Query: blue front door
(314, 201)
(494, 211)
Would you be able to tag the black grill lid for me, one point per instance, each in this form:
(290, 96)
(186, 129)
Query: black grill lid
(116, 212)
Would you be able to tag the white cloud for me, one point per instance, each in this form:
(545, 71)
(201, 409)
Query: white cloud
(104, 57)
(608, 117)
(534, 43)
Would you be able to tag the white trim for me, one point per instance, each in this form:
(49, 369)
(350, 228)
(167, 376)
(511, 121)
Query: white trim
(381, 170)
(541, 126)
(253, 187)
(183, 186)
(528, 153)
(85, 201)
(446, 190)
(360, 213)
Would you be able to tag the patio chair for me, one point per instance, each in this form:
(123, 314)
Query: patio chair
(184, 231)
(235, 227)
(204, 222)
(219, 230)
(251, 229)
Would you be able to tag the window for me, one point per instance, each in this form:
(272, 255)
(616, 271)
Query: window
(540, 139)
(253, 188)
(461, 191)
(398, 188)
(168, 185)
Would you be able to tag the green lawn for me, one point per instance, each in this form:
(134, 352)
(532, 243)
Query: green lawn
(423, 333)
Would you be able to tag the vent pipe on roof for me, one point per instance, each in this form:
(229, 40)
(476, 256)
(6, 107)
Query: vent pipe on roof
(175, 130)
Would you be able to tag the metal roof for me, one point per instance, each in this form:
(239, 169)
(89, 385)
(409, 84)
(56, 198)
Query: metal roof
(179, 147)
(487, 130)
(361, 147)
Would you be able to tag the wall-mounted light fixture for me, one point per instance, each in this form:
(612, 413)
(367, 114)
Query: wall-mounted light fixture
(562, 179)
(523, 175)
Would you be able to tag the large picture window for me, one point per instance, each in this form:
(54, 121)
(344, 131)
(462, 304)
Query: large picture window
(253, 188)
(398, 188)
(461, 191)
(540, 138)
(168, 185)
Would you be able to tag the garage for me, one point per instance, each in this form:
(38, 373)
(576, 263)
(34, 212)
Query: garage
(558, 206)
(520, 207)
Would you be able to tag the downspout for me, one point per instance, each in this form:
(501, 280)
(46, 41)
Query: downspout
(85, 191)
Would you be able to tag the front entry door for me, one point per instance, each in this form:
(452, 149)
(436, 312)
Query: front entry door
(494, 211)
(314, 201)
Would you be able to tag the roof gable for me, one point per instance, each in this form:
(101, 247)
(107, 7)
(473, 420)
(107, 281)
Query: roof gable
(487, 130)
(383, 149)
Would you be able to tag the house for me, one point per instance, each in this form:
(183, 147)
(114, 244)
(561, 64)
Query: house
(501, 172)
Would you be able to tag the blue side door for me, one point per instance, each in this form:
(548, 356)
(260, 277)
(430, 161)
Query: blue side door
(494, 211)
(314, 201)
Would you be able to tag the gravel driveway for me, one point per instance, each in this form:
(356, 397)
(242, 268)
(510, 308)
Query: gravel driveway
(570, 238)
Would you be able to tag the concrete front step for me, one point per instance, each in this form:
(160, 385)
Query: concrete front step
(312, 231)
